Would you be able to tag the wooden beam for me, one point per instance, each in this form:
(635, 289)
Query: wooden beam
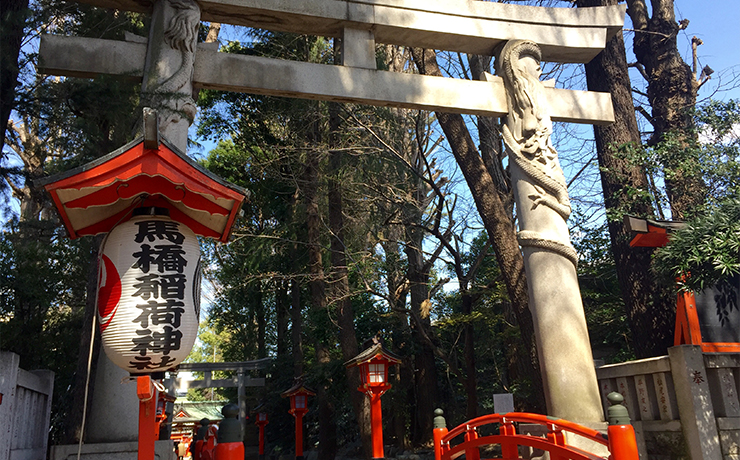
(72, 56)
(564, 34)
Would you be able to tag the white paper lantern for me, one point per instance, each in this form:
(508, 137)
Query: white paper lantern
(149, 295)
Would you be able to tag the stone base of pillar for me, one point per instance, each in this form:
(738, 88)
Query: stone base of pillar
(163, 450)
(586, 444)
(533, 429)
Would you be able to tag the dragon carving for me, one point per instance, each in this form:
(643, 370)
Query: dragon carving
(181, 35)
(526, 135)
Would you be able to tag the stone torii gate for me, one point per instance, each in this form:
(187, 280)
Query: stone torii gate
(171, 65)
(239, 381)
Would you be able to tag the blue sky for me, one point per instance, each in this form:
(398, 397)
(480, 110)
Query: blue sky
(717, 23)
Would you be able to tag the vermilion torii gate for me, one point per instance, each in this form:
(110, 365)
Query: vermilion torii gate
(171, 65)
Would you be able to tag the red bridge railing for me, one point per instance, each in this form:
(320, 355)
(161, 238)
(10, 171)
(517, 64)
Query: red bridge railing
(619, 440)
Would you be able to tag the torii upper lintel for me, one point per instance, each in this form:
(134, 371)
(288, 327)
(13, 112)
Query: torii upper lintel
(564, 34)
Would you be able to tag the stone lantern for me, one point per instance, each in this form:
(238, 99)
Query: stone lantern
(298, 395)
(373, 364)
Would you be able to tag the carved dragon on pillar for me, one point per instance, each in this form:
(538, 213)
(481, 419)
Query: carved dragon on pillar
(181, 35)
(526, 135)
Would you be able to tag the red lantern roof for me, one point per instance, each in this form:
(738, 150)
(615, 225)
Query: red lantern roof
(375, 352)
(95, 197)
(297, 389)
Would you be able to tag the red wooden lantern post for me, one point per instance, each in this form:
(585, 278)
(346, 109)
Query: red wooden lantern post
(298, 395)
(261, 422)
(373, 364)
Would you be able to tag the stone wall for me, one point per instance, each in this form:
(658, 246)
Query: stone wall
(683, 406)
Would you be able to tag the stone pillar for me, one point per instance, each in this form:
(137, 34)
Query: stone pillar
(543, 206)
(242, 400)
(694, 402)
(167, 87)
(114, 410)
(168, 73)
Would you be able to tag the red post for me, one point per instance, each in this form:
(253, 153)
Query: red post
(473, 453)
(229, 451)
(262, 441)
(439, 432)
(147, 417)
(376, 425)
(373, 363)
(261, 422)
(230, 445)
(509, 450)
(622, 442)
(298, 435)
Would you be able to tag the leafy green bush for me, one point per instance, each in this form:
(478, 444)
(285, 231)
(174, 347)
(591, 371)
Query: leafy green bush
(708, 249)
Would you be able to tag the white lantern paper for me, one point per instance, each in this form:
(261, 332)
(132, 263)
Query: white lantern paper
(149, 295)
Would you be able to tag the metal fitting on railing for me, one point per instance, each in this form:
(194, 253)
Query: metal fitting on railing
(622, 441)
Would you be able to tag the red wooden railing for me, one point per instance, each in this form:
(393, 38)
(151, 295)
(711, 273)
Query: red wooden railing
(620, 439)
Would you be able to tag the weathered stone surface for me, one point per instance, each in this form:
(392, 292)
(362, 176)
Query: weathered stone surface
(694, 402)
(82, 57)
(730, 442)
(167, 85)
(358, 49)
(640, 366)
(114, 411)
(163, 450)
(543, 206)
(72, 56)
(564, 34)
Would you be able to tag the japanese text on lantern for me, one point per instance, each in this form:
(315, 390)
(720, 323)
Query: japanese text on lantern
(161, 288)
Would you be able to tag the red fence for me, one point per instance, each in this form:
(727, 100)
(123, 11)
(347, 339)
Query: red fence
(620, 439)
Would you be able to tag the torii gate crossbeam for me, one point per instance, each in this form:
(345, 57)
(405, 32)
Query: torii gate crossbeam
(274, 77)
(476, 27)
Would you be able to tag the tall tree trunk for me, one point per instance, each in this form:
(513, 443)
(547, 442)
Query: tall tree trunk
(340, 283)
(425, 375)
(499, 225)
(327, 422)
(296, 331)
(471, 385)
(259, 315)
(650, 309)
(281, 307)
(12, 21)
(296, 320)
(399, 404)
(672, 89)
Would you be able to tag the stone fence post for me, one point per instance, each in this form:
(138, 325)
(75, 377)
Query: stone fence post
(695, 402)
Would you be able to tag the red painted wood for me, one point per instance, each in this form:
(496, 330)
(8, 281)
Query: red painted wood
(622, 442)
(376, 423)
(147, 417)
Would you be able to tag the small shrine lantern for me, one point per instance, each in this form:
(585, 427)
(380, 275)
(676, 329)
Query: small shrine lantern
(373, 364)
(298, 395)
(261, 422)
